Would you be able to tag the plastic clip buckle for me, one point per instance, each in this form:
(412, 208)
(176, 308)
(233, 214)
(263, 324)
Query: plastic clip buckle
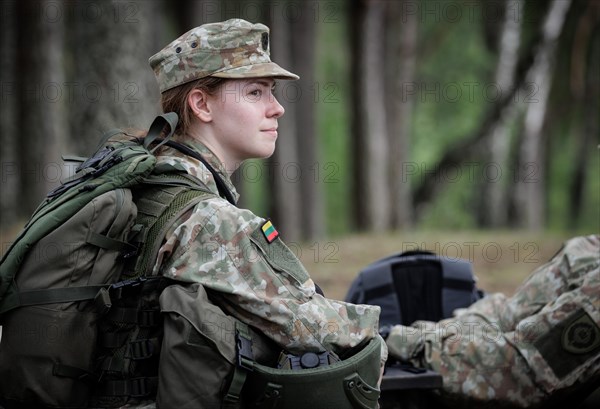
(130, 282)
(245, 357)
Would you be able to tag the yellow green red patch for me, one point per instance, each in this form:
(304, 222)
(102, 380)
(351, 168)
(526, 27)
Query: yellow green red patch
(269, 231)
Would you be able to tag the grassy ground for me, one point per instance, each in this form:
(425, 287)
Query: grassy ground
(501, 259)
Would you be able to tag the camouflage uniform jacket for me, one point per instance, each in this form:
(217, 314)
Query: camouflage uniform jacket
(263, 284)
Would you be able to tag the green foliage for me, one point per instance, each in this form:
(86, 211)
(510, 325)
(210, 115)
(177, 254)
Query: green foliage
(590, 216)
(253, 176)
(453, 93)
(588, 220)
(333, 121)
(559, 173)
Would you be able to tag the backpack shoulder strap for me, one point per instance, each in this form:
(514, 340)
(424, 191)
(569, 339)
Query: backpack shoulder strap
(161, 200)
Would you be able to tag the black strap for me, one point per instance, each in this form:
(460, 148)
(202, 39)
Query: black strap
(221, 186)
(143, 318)
(456, 284)
(143, 348)
(136, 387)
(68, 371)
(245, 364)
(107, 243)
(58, 295)
(380, 291)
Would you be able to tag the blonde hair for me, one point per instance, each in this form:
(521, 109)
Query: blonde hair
(175, 100)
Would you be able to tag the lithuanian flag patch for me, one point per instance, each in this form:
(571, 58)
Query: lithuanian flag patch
(269, 231)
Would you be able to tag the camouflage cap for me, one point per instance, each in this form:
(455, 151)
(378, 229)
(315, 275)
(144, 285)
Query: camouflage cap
(231, 49)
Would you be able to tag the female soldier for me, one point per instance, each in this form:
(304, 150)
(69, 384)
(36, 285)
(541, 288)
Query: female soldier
(219, 79)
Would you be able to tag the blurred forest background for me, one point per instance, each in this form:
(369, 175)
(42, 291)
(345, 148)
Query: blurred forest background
(409, 116)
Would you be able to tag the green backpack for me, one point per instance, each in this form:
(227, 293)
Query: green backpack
(78, 301)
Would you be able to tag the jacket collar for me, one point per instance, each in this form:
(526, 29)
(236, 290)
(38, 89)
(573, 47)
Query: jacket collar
(196, 168)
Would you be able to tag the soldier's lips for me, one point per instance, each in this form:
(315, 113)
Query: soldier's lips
(272, 131)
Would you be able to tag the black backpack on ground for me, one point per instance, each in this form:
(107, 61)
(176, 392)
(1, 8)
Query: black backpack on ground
(415, 285)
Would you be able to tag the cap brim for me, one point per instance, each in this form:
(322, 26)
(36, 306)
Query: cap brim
(269, 69)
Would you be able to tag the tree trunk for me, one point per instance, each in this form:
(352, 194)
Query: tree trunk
(10, 173)
(194, 13)
(358, 138)
(113, 84)
(586, 87)
(530, 189)
(283, 167)
(41, 98)
(492, 208)
(402, 37)
(372, 159)
(303, 36)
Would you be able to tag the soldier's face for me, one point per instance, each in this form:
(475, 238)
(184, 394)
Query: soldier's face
(244, 114)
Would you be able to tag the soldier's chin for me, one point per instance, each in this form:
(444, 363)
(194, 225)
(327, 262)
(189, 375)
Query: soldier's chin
(267, 152)
(264, 154)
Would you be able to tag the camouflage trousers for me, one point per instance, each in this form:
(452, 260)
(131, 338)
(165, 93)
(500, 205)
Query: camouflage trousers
(541, 344)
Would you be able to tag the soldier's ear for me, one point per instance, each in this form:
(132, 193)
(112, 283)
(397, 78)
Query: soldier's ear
(198, 102)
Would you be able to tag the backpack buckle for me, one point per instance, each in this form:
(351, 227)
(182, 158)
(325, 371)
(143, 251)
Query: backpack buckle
(129, 282)
(117, 289)
(128, 255)
(245, 357)
(102, 301)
